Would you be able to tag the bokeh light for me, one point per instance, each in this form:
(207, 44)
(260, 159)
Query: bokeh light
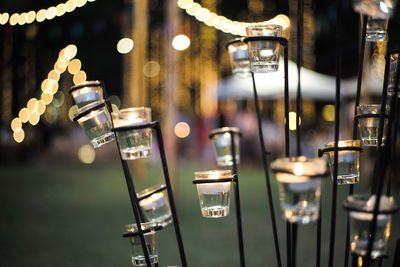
(151, 69)
(31, 16)
(51, 12)
(34, 117)
(328, 112)
(32, 104)
(125, 45)
(4, 18)
(86, 154)
(292, 121)
(180, 42)
(182, 129)
(41, 107)
(19, 136)
(71, 112)
(41, 15)
(24, 115)
(16, 124)
(79, 77)
(74, 66)
(61, 9)
(14, 19)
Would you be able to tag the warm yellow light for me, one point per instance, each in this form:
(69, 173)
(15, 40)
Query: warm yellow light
(81, 3)
(292, 121)
(61, 9)
(180, 42)
(74, 66)
(91, 0)
(184, 3)
(34, 117)
(16, 124)
(70, 5)
(23, 18)
(47, 85)
(47, 98)
(328, 112)
(31, 16)
(23, 115)
(14, 19)
(210, 20)
(203, 14)
(19, 136)
(51, 12)
(298, 169)
(360, 261)
(32, 104)
(86, 154)
(41, 15)
(182, 129)
(60, 66)
(70, 51)
(71, 112)
(151, 69)
(79, 77)
(125, 45)
(192, 9)
(4, 18)
(54, 75)
(41, 107)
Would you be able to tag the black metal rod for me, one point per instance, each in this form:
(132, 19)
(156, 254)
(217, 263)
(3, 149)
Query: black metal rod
(286, 99)
(288, 244)
(170, 194)
(396, 259)
(347, 242)
(266, 172)
(319, 232)
(354, 260)
(380, 261)
(337, 126)
(237, 202)
(300, 30)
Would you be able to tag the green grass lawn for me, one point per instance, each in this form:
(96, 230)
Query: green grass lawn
(72, 214)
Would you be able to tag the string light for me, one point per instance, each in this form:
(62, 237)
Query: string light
(49, 86)
(222, 23)
(43, 14)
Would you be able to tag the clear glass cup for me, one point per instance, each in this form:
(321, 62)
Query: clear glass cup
(361, 208)
(264, 55)
(87, 92)
(299, 187)
(348, 162)
(376, 29)
(394, 63)
(214, 197)
(222, 144)
(150, 239)
(369, 126)
(155, 206)
(134, 144)
(375, 8)
(239, 57)
(95, 121)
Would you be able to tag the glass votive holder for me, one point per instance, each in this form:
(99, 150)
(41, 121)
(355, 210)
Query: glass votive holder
(150, 237)
(348, 161)
(263, 54)
(222, 140)
(368, 123)
(154, 203)
(213, 188)
(376, 29)
(394, 65)
(239, 57)
(361, 209)
(375, 8)
(95, 121)
(133, 143)
(299, 181)
(87, 92)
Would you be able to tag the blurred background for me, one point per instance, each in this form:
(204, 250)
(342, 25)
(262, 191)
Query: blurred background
(64, 203)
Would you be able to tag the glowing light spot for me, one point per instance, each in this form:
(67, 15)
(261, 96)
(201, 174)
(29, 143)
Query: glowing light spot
(192, 9)
(71, 112)
(213, 20)
(79, 77)
(16, 124)
(81, 3)
(151, 69)
(19, 136)
(47, 98)
(298, 169)
(34, 117)
(51, 12)
(61, 9)
(31, 16)
(49, 86)
(360, 261)
(328, 112)
(24, 115)
(41, 15)
(86, 154)
(14, 19)
(180, 42)
(60, 66)
(70, 51)
(74, 66)
(125, 45)
(4, 18)
(54, 75)
(182, 129)
(184, 3)
(32, 104)
(203, 14)
(383, 7)
(292, 121)
(70, 5)
(41, 107)
(22, 18)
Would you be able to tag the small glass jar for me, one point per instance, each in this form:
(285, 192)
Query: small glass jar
(222, 138)
(87, 92)
(348, 161)
(376, 29)
(239, 57)
(361, 209)
(154, 203)
(299, 181)
(214, 196)
(264, 54)
(134, 144)
(383, 9)
(368, 124)
(95, 121)
(150, 237)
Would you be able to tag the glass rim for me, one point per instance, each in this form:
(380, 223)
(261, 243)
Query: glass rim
(223, 130)
(367, 108)
(264, 25)
(84, 84)
(145, 225)
(87, 109)
(359, 203)
(212, 174)
(345, 143)
(300, 166)
(133, 109)
(151, 190)
(234, 41)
